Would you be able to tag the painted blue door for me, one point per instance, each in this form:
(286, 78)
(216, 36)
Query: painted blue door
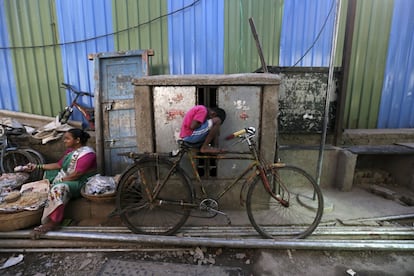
(116, 127)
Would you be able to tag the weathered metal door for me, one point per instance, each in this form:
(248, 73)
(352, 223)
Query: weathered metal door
(115, 114)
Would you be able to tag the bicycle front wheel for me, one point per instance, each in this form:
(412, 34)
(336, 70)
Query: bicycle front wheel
(145, 213)
(300, 214)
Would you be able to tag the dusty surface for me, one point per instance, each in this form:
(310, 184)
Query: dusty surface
(213, 261)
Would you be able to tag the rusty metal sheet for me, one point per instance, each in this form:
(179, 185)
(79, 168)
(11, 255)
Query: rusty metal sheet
(170, 105)
(242, 105)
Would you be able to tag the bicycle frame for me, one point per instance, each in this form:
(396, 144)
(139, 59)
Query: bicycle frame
(87, 112)
(256, 167)
(158, 184)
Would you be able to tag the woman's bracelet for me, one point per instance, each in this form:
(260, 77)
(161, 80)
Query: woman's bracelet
(40, 166)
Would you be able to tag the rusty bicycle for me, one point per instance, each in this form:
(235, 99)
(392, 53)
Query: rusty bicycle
(156, 196)
(88, 113)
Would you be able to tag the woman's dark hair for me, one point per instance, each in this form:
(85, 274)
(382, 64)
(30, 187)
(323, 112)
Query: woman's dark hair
(81, 134)
(220, 113)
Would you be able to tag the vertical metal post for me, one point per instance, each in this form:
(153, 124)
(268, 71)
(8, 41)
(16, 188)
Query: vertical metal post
(328, 91)
(346, 60)
(259, 47)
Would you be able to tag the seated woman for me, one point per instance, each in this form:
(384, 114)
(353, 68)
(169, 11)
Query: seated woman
(67, 178)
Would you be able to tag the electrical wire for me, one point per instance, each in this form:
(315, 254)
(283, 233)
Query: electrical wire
(317, 37)
(104, 35)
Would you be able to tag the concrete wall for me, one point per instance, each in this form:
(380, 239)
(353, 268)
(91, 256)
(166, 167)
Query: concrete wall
(337, 167)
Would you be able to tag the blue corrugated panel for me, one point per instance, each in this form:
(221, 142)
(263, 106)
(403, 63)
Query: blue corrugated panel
(83, 29)
(196, 36)
(302, 22)
(8, 93)
(397, 102)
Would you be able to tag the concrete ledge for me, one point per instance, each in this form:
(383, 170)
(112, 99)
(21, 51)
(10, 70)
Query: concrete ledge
(337, 168)
(81, 209)
(222, 80)
(377, 136)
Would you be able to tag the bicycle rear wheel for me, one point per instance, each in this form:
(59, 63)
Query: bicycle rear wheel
(162, 215)
(14, 158)
(37, 158)
(296, 220)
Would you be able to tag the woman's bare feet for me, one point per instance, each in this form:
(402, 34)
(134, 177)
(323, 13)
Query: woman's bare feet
(43, 229)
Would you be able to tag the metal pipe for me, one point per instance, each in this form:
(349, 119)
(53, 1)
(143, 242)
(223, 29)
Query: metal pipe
(346, 61)
(258, 45)
(394, 245)
(242, 231)
(61, 250)
(392, 217)
(328, 92)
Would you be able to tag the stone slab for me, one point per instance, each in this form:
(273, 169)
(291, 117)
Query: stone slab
(119, 267)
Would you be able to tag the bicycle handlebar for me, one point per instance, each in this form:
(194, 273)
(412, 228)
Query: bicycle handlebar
(70, 87)
(249, 131)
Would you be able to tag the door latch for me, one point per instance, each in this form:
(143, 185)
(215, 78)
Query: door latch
(109, 106)
(111, 142)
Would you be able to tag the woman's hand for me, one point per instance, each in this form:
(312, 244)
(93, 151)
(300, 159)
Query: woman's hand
(30, 167)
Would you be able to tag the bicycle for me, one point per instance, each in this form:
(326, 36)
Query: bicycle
(155, 195)
(87, 112)
(11, 156)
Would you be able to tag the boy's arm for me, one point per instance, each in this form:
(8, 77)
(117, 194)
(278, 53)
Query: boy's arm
(195, 124)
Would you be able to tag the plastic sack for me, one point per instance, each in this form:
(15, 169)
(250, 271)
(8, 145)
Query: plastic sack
(99, 184)
(13, 180)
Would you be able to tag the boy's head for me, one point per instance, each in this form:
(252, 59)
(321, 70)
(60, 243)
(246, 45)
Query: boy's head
(218, 112)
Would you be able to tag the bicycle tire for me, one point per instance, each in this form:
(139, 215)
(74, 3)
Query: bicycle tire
(38, 159)
(135, 208)
(273, 220)
(14, 158)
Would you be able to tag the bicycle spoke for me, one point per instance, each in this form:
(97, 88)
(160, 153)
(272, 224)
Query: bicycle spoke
(143, 211)
(304, 204)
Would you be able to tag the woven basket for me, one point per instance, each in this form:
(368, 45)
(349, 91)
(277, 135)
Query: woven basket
(19, 220)
(99, 198)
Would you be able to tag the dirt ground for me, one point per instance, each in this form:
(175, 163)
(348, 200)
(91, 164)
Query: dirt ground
(232, 262)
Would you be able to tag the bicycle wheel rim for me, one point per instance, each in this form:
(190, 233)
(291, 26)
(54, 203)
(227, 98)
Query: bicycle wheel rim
(139, 213)
(299, 219)
(37, 159)
(14, 158)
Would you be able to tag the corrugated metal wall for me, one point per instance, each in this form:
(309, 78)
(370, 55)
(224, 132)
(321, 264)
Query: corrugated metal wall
(306, 37)
(369, 53)
(397, 103)
(240, 52)
(45, 42)
(196, 39)
(143, 25)
(36, 58)
(80, 35)
(8, 99)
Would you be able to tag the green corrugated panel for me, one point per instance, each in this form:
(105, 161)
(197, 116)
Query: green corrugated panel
(241, 54)
(368, 59)
(38, 70)
(134, 16)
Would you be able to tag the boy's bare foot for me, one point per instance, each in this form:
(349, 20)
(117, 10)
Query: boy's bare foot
(209, 149)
